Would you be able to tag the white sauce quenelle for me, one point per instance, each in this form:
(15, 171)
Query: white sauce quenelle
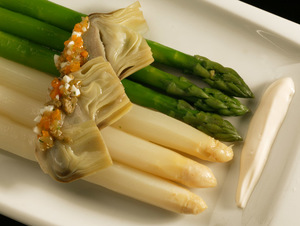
(261, 134)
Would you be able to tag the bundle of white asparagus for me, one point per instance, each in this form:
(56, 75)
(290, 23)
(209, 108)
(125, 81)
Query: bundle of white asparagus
(151, 166)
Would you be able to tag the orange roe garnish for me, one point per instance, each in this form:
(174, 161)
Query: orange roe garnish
(69, 58)
(75, 66)
(74, 54)
(56, 83)
(48, 118)
(73, 38)
(65, 90)
(46, 128)
(67, 69)
(84, 53)
(56, 115)
(66, 42)
(45, 122)
(77, 28)
(45, 133)
(78, 42)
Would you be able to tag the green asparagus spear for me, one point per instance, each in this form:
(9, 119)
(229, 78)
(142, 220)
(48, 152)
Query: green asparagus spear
(209, 123)
(32, 29)
(41, 58)
(214, 74)
(207, 99)
(27, 53)
(44, 10)
(234, 106)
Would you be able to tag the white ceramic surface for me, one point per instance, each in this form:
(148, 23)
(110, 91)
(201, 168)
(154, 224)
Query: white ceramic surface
(261, 47)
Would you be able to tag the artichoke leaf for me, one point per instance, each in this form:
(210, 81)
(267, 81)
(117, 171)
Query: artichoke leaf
(117, 36)
(82, 151)
(85, 154)
(131, 17)
(103, 96)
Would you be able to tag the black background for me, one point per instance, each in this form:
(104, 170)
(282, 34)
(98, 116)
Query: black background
(287, 9)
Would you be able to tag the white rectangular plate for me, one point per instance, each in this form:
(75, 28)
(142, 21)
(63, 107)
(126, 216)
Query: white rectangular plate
(261, 47)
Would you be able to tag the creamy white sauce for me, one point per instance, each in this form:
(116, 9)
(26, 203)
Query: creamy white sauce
(261, 134)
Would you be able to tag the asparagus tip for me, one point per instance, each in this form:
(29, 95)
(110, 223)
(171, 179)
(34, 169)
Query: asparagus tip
(194, 205)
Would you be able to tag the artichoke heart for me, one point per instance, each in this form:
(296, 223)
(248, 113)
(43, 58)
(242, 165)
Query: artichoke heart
(83, 155)
(81, 150)
(117, 36)
(102, 94)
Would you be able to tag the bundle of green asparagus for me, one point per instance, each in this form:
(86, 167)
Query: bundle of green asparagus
(33, 32)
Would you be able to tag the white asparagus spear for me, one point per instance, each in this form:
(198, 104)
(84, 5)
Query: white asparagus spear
(157, 160)
(172, 133)
(19, 107)
(148, 188)
(19, 140)
(16, 138)
(128, 149)
(27, 80)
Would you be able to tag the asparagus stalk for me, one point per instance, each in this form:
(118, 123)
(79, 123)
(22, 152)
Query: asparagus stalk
(33, 55)
(214, 74)
(130, 150)
(206, 99)
(44, 10)
(18, 106)
(173, 133)
(157, 160)
(16, 138)
(149, 189)
(27, 53)
(22, 78)
(211, 124)
(32, 29)
(118, 177)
